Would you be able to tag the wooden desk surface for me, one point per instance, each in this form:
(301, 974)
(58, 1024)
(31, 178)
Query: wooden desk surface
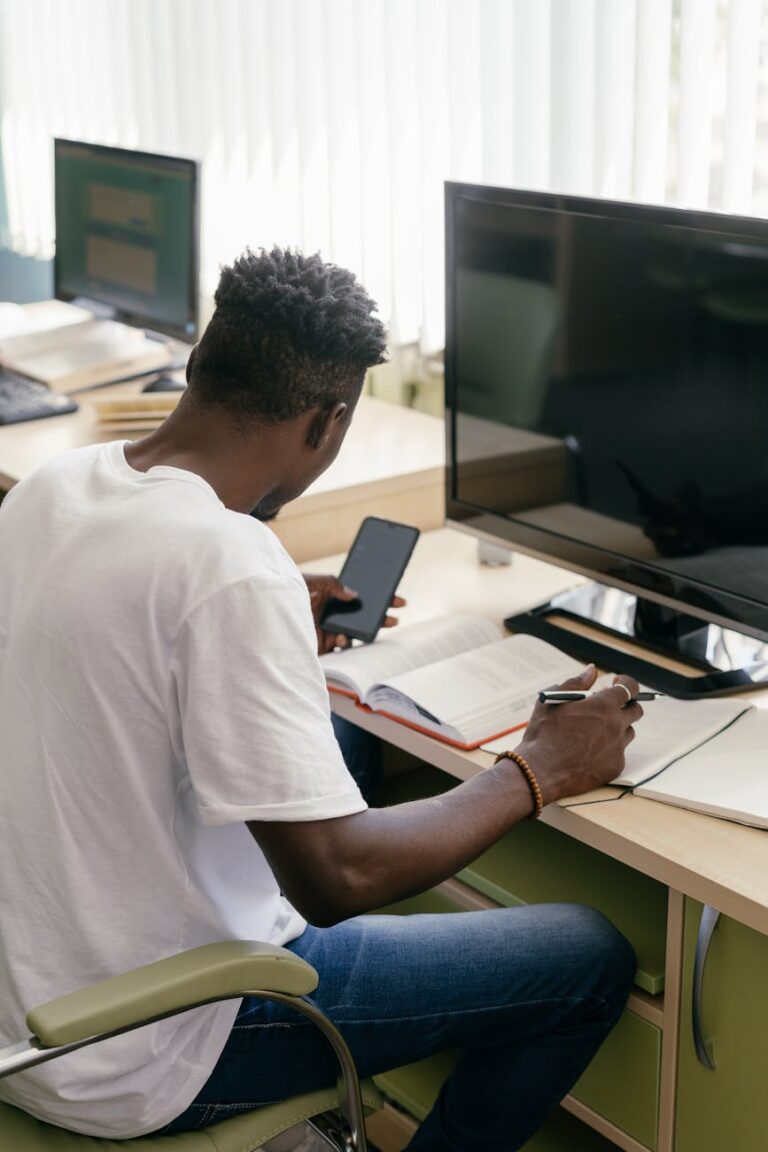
(384, 441)
(391, 465)
(715, 861)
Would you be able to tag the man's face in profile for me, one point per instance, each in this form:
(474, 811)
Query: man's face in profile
(311, 460)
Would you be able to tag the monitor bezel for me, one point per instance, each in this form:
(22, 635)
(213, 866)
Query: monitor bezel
(124, 315)
(674, 590)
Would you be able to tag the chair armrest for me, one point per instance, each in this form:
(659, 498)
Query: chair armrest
(212, 972)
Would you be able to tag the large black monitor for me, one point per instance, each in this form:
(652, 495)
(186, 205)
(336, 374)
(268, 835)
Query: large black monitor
(606, 372)
(127, 235)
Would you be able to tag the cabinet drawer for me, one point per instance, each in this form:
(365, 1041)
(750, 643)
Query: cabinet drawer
(622, 1082)
(414, 1088)
(536, 864)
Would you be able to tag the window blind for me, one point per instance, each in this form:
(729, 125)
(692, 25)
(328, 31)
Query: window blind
(331, 124)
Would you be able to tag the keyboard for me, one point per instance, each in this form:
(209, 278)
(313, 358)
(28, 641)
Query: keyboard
(25, 399)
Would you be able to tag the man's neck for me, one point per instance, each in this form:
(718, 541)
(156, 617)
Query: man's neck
(207, 446)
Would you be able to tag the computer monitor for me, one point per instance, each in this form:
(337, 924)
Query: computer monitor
(127, 235)
(606, 371)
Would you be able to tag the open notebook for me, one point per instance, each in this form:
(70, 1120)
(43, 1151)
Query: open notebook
(668, 730)
(726, 777)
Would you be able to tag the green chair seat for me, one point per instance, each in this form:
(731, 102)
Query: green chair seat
(20, 1132)
(222, 971)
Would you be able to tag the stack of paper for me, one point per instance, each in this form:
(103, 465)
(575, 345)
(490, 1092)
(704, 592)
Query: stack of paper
(41, 316)
(134, 412)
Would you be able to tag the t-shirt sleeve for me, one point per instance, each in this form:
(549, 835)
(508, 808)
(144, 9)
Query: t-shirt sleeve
(254, 723)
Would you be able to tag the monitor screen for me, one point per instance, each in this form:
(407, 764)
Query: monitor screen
(607, 392)
(127, 234)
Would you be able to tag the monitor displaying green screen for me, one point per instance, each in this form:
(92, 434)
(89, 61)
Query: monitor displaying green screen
(127, 234)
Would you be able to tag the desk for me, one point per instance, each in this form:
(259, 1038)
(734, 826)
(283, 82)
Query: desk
(390, 465)
(694, 858)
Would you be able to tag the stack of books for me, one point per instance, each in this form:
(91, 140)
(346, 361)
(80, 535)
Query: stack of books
(133, 411)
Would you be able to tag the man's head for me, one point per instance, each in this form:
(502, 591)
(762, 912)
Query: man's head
(287, 348)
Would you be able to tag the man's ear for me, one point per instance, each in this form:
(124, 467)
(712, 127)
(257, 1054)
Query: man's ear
(323, 422)
(191, 361)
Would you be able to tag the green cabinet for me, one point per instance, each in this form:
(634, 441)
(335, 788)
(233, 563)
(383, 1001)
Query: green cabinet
(724, 1109)
(537, 864)
(415, 1087)
(621, 1083)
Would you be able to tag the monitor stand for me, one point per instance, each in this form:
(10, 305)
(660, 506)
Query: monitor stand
(720, 660)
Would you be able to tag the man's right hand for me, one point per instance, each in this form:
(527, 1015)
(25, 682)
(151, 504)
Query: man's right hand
(573, 748)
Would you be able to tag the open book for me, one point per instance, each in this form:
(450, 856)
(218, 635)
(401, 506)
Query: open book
(454, 678)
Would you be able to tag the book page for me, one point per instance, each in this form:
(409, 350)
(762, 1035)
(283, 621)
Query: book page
(669, 729)
(486, 690)
(726, 777)
(401, 649)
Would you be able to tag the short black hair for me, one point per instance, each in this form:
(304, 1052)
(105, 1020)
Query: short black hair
(289, 333)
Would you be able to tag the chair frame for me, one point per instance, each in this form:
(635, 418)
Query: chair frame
(30, 1052)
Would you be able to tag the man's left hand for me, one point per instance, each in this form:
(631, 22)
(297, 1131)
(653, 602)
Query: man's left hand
(321, 590)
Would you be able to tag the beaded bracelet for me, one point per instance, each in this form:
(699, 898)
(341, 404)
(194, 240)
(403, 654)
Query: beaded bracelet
(530, 779)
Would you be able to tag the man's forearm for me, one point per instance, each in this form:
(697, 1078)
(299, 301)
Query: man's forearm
(334, 869)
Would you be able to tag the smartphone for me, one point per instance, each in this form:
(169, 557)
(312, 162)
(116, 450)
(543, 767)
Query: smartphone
(376, 561)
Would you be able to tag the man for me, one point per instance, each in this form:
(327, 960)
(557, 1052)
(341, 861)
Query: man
(169, 774)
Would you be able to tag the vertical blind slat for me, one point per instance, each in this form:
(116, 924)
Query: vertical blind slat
(375, 154)
(341, 86)
(652, 88)
(741, 104)
(405, 169)
(572, 134)
(616, 23)
(697, 43)
(497, 90)
(531, 98)
(435, 159)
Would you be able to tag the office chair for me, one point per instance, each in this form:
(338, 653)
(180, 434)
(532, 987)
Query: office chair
(200, 976)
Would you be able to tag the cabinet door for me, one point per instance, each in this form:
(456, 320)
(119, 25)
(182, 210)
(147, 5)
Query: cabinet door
(725, 1108)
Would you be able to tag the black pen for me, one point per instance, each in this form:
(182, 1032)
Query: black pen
(558, 697)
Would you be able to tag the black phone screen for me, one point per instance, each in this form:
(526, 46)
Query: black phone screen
(376, 561)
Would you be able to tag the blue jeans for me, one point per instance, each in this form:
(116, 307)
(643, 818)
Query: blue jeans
(527, 995)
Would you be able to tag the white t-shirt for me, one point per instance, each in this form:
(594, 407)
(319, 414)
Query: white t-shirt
(159, 686)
